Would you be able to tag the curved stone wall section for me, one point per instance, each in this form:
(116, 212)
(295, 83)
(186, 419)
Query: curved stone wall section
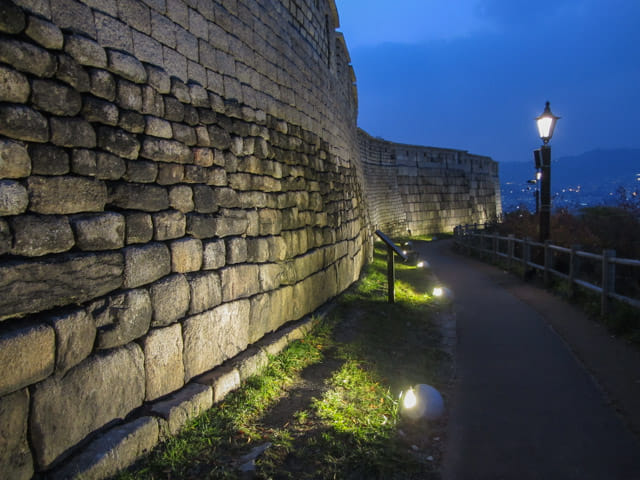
(177, 179)
(425, 189)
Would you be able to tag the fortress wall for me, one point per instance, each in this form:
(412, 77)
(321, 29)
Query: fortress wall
(178, 178)
(425, 189)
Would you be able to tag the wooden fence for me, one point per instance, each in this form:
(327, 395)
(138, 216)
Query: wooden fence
(549, 259)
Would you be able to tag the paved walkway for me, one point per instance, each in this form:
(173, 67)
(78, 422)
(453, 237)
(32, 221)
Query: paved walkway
(524, 406)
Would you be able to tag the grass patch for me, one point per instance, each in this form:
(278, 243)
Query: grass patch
(327, 406)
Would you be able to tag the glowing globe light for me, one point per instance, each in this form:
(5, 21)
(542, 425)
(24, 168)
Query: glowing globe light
(410, 399)
(420, 265)
(422, 402)
(438, 291)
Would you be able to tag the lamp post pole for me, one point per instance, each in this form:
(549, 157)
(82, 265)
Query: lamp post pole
(546, 124)
(545, 193)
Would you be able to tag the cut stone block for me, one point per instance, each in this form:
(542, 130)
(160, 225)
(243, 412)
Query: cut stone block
(16, 462)
(64, 411)
(113, 451)
(163, 361)
(33, 286)
(169, 299)
(181, 407)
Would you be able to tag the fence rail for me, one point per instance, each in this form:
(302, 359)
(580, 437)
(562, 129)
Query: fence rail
(544, 257)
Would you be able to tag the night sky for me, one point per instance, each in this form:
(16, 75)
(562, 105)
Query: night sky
(474, 74)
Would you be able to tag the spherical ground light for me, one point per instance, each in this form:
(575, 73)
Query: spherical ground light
(421, 402)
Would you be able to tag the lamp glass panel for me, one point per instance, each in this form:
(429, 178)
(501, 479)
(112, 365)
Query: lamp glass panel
(544, 126)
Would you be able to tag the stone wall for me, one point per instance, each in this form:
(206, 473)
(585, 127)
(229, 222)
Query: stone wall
(178, 178)
(425, 189)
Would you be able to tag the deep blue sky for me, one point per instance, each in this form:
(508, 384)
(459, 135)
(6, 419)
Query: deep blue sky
(474, 74)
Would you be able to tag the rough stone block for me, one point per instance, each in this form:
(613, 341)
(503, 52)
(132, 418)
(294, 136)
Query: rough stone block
(204, 199)
(118, 142)
(132, 122)
(23, 123)
(64, 410)
(195, 174)
(169, 299)
(146, 264)
(122, 318)
(250, 362)
(236, 250)
(270, 276)
(72, 132)
(149, 198)
(12, 20)
(173, 109)
(112, 32)
(170, 173)
(27, 355)
(73, 15)
(162, 150)
(141, 172)
(13, 198)
(226, 224)
(222, 380)
(27, 57)
(158, 78)
(75, 336)
(14, 86)
(157, 127)
(129, 95)
(163, 361)
(206, 291)
(100, 111)
(147, 49)
(33, 286)
(139, 228)
(104, 231)
(182, 406)
(45, 33)
(48, 160)
(72, 73)
(126, 66)
(240, 281)
(103, 85)
(114, 451)
(36, 235)
(109, 167)
(168, 225)
(184, 134)
(181, 198)
(55, 98)
(14, 160)
(5, 237)
(214, 255)
(16, 461)
(63, 195)
(214, 336)
(186, 255)
(219, 137)
(85, 51)
(83, 162)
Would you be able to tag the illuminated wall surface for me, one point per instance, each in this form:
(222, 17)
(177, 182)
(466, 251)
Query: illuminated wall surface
(179, 178)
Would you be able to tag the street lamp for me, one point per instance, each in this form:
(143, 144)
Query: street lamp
(546, 124)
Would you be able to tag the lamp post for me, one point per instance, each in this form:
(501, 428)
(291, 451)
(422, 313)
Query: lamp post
(546, 124)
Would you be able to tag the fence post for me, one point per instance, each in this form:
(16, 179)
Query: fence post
(574, 269)
(391, 275)
(511, 249)
(548, 260)
(608, 280)
(526, 256)
(482, 255)
(495, 248)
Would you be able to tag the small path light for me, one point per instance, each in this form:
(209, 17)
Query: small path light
(438, 292)
(421, 402)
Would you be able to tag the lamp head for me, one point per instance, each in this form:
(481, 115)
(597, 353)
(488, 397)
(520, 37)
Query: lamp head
(546, 124)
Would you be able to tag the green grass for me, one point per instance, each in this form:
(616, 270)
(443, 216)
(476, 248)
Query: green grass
(363, 355)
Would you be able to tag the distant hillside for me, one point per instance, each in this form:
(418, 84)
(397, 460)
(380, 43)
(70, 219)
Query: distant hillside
(591, 170)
